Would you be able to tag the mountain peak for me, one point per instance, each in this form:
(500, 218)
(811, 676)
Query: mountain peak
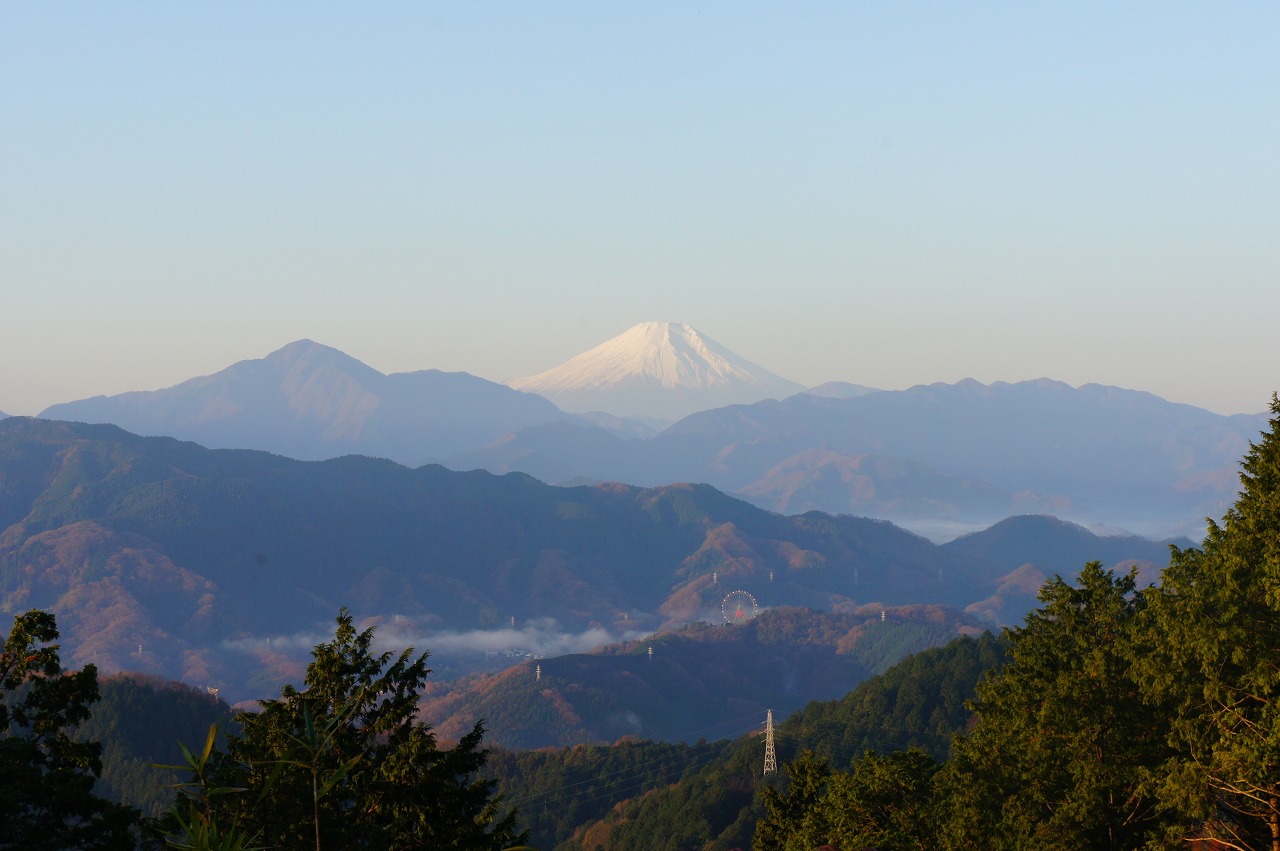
(309, 400)
(310, 353)
(663, 369)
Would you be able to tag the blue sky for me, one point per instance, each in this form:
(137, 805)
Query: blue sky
(884, 193)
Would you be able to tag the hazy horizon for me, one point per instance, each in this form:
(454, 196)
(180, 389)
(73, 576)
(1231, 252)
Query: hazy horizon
(889, 195)
(264, 354)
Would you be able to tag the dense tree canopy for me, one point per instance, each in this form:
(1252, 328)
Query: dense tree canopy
(140, 721)
(343, 764)
(882, 801)
(1063, 742)
(46, 776)
(913, 707)
(1214, 652)
(1062, 754)
(1114, 717)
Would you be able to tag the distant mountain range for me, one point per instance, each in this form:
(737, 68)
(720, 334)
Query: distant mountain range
(222, 567)
(656, 369)
(940, 459)
(310, 401)
(841, 390)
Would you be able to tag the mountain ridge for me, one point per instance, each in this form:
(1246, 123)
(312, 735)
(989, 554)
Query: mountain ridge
(656, 369)
(162, 556)
(310, 401)
(685, 683)
(942, 459)
(1094, 454)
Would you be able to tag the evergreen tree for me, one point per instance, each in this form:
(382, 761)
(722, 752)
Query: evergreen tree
(46, 777)
(885, 802)
(343, 764)
(1214, 652)
(786, 812)
(139, 721)
(1063, 741)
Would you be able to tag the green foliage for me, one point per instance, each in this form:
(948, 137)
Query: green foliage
(1063, 741)
(1125, 718)
(715, 807)
(918, 703)
(343, 764)
(901, 722)
(193, 824)
(46, 776)
(701, 811)
(1213, 641)
(884, 801)
(556, 791)
(142, 720)
(789, 815)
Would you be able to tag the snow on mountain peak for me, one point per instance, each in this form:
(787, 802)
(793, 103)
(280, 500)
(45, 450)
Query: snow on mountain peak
(662, 369)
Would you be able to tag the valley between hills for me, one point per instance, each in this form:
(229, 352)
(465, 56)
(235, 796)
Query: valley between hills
(567, 572)
(272, 494)
(219, 567)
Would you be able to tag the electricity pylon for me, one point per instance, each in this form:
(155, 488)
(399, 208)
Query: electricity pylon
(770, 755)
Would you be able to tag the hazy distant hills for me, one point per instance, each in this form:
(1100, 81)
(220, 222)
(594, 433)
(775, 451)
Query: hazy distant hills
(222, 567)
(310, 401)
(703, 681)
(1042, 547)
(656, 369)
(942, 459)
(840, 390)
(933, 456)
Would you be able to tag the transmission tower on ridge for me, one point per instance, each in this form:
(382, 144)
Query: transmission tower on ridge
(770, 755)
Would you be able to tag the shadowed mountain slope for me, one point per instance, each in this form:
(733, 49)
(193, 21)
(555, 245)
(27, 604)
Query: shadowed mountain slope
(711, 802)
(309, 401)
(217, 566)
(1047, 546)
(701, 681)
(1059, 547)
(942, 459)
(963, 454)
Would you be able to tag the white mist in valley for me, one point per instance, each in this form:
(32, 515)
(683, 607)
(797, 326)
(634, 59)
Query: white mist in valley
(462, 649)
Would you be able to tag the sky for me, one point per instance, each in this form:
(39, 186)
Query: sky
(884, 193)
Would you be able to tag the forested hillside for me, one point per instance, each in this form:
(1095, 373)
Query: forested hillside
(1114, 716)
(702, 681)
(217, 567)
(141, 722)
(651, 796)
(1125, 717)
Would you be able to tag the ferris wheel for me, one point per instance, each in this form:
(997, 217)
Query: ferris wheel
(739, 607)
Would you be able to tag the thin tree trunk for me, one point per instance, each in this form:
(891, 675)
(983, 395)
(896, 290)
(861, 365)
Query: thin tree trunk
(315, 805)
(1274, 801)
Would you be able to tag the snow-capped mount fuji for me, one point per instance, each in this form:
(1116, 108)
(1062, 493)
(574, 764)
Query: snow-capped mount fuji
(664, 370)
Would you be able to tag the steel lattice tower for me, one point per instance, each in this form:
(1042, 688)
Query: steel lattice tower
(770, 755)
